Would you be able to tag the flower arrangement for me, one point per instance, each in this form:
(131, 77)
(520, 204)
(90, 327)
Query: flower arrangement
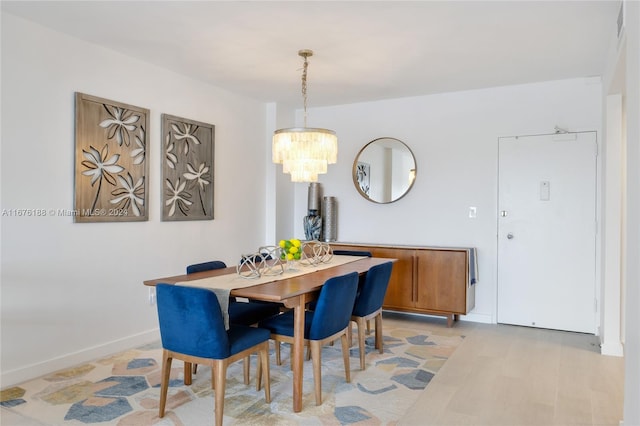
(291, 249)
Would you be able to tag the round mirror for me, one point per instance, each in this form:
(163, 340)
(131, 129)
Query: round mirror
(384, 170)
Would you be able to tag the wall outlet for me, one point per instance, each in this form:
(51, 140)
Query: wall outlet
(473, 212)
(152, 296)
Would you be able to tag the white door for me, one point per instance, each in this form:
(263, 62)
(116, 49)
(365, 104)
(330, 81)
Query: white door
(547, 231)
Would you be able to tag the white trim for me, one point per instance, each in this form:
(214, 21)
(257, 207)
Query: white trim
(612, 349)
(474, 317)
(29, 372)
(471, 317)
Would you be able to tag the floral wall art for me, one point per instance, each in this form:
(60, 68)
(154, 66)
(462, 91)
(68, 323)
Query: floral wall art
(187, 169)
(111, 165)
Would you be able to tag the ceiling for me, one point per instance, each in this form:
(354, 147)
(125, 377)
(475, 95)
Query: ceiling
(363, 51)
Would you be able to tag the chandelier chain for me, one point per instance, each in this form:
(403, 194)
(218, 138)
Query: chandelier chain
(304, 88)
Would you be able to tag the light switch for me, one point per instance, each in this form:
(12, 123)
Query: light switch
(545, 190)
(472, 212)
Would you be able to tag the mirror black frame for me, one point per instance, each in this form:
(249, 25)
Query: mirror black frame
(356, 172)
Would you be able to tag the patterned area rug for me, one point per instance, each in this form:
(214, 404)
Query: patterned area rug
(124, 389)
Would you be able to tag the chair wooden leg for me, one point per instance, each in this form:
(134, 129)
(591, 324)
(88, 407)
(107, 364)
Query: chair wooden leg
(195, 368)
(368, 327)
(187, 373)
(246, 365)
(345, 356)
(277, 347)
(220, 384)
(308, 357)
(259, 370)
(379, 342)
(361, 325)
(316, 349)
(263, 364)
(164, 383)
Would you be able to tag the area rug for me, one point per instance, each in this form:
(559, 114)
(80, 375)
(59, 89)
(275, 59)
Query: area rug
(124, 389)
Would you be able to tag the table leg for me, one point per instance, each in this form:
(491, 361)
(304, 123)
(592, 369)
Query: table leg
(297, 354)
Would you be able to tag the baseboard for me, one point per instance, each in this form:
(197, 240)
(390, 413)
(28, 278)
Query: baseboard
(612, 349)
(22, 374)
(474, 317)
(471, 317)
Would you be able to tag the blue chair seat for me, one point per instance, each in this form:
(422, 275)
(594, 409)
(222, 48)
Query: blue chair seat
(242, 337)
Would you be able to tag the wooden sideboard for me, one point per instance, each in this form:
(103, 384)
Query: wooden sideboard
(425, 280)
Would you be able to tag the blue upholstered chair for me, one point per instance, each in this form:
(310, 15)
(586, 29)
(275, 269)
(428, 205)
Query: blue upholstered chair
(327, 323)
(312, 305)
(192, 330)
(205, 266)
(368, 304)
(352, 253)
(242, 313)
(362, 277)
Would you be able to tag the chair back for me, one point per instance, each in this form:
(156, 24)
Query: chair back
(352, 253)
(191, 321)
(372, 292)
(335, 303)
(205, 266)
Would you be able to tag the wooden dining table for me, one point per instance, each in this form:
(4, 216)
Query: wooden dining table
(294, 292)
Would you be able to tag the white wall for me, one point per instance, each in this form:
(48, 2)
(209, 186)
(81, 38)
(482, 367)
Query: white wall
(632, 242)
(454, 137)
(73, 291)
(621, 278)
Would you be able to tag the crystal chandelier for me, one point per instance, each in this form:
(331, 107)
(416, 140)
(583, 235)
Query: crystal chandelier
(304, 152)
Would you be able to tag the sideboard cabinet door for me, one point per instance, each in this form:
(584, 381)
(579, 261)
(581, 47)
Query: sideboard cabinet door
(401, 292)
(441, 280)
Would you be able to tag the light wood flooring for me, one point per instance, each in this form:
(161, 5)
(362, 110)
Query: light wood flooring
(510, 375)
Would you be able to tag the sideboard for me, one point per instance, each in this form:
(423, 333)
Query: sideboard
(426, 280)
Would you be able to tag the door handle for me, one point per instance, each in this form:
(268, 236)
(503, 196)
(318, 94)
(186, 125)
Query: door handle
(509, 236)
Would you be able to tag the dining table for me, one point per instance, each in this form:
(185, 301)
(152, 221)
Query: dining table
(293, 292)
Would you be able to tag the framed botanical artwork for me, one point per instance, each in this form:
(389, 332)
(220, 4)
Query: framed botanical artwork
(187, 169)
(363, 176)
(111, 166)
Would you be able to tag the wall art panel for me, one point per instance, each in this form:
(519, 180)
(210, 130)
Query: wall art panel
(187, 169)
(111, 165)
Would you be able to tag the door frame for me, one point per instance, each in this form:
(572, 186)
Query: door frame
(598, 215)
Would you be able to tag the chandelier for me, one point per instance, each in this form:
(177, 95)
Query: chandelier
(304, 152)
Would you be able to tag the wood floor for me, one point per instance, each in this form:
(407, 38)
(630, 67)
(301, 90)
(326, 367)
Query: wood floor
(507, 375)
(510, 375)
